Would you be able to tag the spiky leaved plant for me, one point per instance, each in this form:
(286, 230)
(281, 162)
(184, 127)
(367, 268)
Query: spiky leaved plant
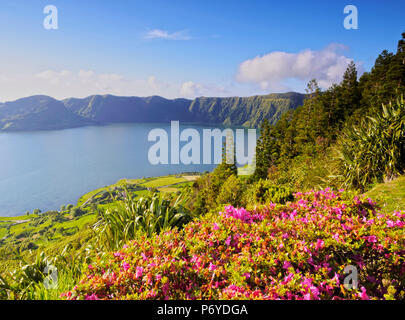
(150, 214)
(374, 150)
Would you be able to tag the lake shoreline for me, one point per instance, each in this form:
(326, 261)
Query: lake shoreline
(189, 176)
(46, 169)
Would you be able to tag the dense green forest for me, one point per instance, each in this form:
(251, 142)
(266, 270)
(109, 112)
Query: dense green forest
(285, 232)
(350, 134)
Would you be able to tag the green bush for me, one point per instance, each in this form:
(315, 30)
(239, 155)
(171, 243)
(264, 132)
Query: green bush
(207, 188)
(28, 246)
(76, 212)
(263, 192)
(232, 192)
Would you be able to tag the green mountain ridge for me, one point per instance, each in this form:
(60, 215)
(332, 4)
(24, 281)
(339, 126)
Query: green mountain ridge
(38, 112)
(46, 113)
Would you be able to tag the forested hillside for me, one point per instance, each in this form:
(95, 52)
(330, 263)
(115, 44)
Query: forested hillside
(351, 134)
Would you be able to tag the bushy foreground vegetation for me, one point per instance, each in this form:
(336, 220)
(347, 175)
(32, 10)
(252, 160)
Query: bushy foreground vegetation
(149, 215)
(75, 234)
(295, 251)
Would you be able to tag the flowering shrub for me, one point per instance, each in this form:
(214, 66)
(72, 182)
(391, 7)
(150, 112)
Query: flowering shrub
(296, 251)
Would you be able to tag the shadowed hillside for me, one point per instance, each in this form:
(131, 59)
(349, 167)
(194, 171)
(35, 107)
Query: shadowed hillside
(46, 113)
(38, 113)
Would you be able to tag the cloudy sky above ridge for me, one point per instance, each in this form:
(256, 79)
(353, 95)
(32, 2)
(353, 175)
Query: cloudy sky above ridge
(187, 48)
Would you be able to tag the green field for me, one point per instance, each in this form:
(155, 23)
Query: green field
(390, 195)
(51, 231)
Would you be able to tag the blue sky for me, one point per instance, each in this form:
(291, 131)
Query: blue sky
(187, 48)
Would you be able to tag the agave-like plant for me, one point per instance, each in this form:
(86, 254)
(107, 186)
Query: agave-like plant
(150, 214)
(375, 149)
(18, 283)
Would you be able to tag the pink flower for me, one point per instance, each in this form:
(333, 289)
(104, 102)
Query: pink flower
(286, 265)
(372, 239)
(139, 271)
(315, 292)
(212, 267)
(319, 244)
(215, 226)
(336, 278)
(288, 278)
(370, 222)
(241, 214)
(126, 266)
(91, 297)
(363, 295)
(307, 282)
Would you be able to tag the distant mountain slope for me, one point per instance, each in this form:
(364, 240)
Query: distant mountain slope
(46, 113)
(37, 113)
(250, 111)
(112, 109)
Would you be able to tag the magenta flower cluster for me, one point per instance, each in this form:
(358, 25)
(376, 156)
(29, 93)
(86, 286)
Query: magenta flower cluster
(295, 251)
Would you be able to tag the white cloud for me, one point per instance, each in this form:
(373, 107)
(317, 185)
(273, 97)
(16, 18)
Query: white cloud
(273, 71)
(53, 77)
(190, 89)
(86, 74)
(82, 83)
(166, 35)
(68, 83)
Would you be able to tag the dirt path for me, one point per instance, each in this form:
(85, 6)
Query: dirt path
(191, 178)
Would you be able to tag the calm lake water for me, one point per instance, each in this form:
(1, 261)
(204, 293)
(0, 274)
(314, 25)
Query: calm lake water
(47, 169)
